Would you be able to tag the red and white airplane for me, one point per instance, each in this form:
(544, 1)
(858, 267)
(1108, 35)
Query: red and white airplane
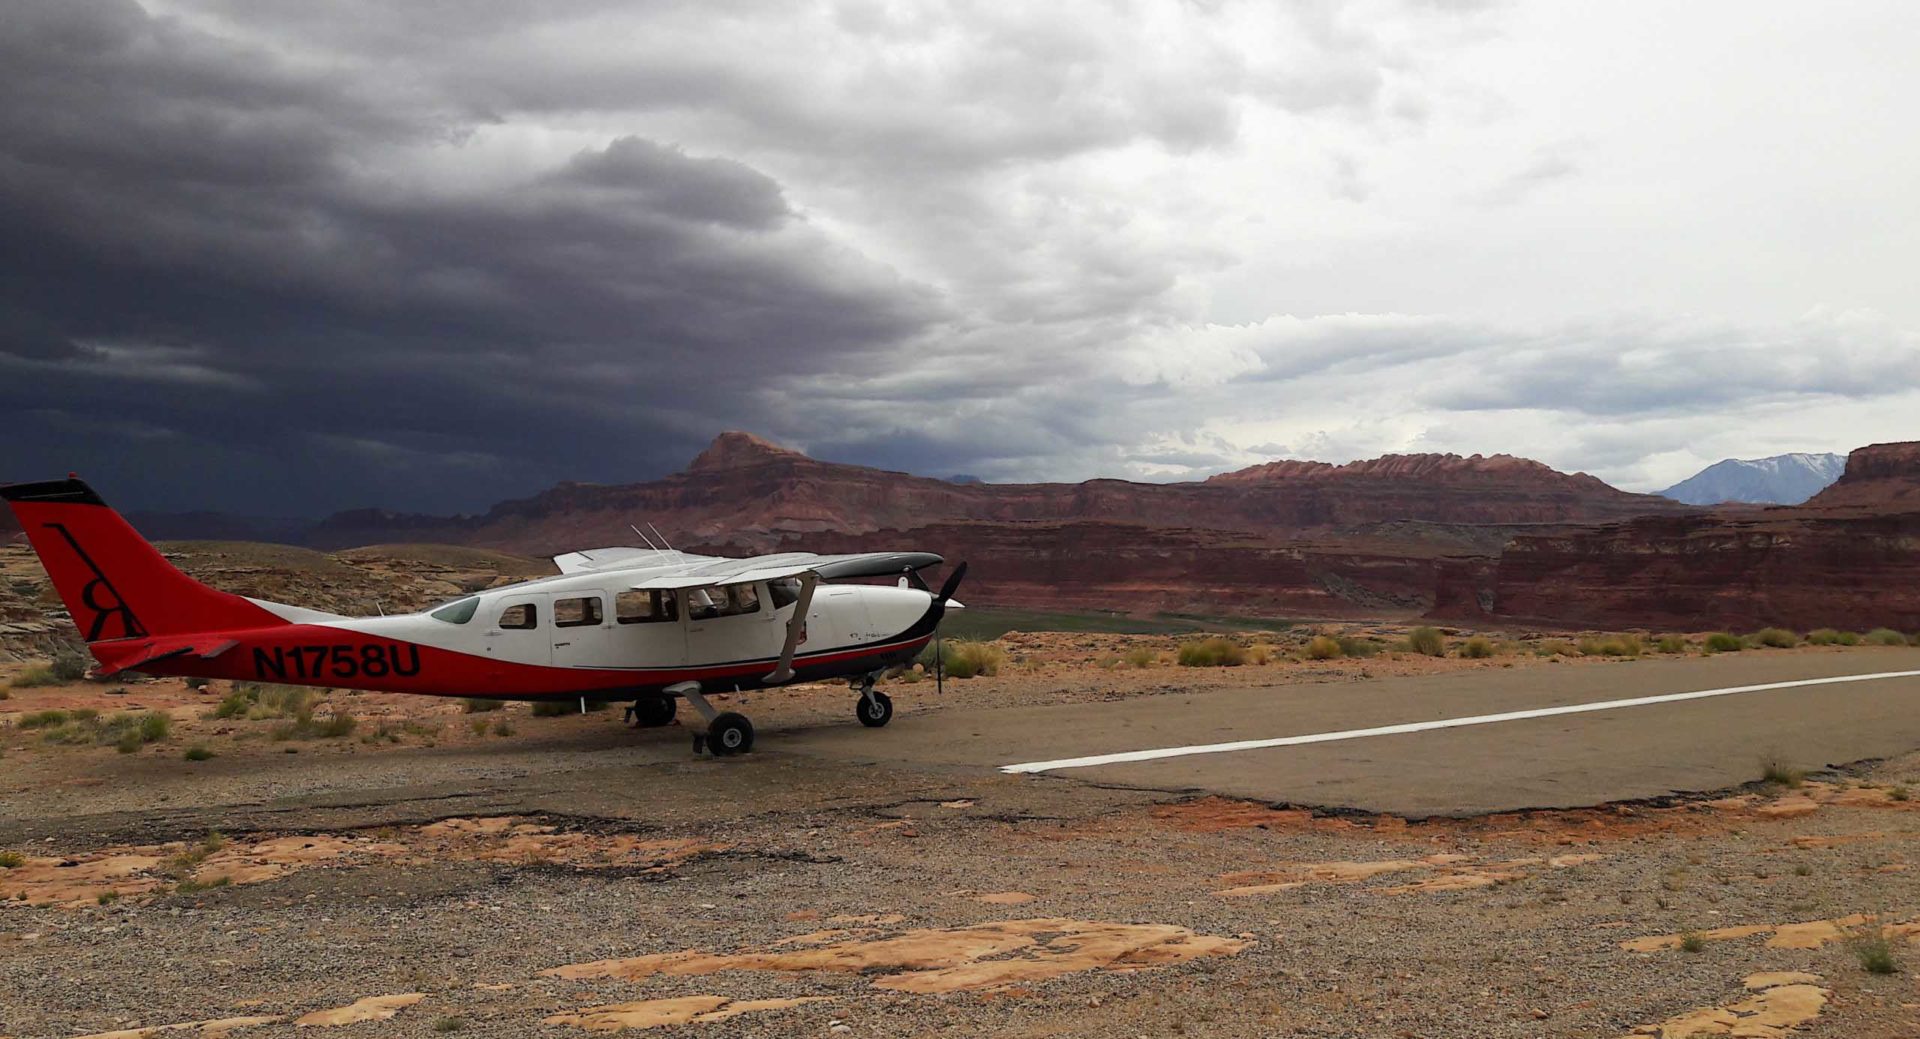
(648, 625)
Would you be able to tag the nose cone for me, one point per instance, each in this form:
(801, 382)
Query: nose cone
(895, 611)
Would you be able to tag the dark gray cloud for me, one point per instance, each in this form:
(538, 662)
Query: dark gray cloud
(428, 256)
(192, 241)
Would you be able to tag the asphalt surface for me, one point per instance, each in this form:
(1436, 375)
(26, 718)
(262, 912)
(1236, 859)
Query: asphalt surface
(1631, 753)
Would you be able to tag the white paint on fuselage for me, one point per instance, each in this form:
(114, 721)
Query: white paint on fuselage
(841, 616)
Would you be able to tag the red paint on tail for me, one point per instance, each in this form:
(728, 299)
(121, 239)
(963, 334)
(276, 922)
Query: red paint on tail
(115, 584)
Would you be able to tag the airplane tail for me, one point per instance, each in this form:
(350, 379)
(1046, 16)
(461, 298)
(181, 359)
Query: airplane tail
(115, 584)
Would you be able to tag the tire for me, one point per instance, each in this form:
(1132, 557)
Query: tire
(728, 734)
(874, 712)
(654, 711)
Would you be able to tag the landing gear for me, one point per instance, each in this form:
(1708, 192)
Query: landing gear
(874, 709)
(729, 733)
(651, 712)
(725, 734)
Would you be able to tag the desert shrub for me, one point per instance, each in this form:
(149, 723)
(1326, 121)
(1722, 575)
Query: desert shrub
(197, 753)
(1722, 642)
(11, 860)
(1780, 773)
(128, 742)
(1874, 950)
(1611, 646)
(1775, 638)
(1140, 657)
(553, 708)
(43, 719)
(194, 887)
(1358, 647)
(70, 665)
(154, 727)
(1320, 647)
(1427, 642)
(197, 684)
(477, 706)
(1823, 637)
(1213, 652)
(501, 728)
(971, 659)
(34, 677)
(1692, 942)
(1672, 644)
(1885, 637)
(1259, 653)
(449, 1024)
(1899, 793)
(1554, 648)
(478, 725)
(282, 701)
(1849, 638)
(233, 705)
(304, 726)
(1477, 648)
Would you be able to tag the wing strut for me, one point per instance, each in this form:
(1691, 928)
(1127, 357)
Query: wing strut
(796, 627)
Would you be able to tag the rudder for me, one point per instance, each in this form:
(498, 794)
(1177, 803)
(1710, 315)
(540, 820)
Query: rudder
(114, 583)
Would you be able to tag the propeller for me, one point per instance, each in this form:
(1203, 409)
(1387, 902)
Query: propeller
(952, 584)
(940, 600)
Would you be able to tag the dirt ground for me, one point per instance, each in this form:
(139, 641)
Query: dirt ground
(434, 871)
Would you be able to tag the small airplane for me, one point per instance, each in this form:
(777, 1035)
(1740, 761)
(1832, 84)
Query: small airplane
(646, 624)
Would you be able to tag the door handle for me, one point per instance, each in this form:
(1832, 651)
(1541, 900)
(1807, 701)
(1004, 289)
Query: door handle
(557, 645)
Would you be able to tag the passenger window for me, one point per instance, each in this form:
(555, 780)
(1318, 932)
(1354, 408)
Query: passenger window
(644, 607)
(746, 598)
(519, 618)
(783, 592)
(576, 613)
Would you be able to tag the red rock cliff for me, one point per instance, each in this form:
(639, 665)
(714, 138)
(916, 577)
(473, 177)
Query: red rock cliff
(1849, 558)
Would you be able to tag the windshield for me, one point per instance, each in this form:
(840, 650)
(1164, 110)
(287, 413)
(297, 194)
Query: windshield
(459, 611)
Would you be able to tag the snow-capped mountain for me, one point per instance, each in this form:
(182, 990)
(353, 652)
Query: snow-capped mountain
(1780, 480)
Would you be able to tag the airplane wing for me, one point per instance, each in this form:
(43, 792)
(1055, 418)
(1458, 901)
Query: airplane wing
(591, 559)
(787, 564)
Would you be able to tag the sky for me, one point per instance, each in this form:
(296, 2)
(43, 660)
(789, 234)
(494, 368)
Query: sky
(283, 257)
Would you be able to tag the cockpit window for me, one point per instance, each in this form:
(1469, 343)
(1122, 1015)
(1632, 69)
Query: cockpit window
(732, 600)
(784, 591)
(459, 611)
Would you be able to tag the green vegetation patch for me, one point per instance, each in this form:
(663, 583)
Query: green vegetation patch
(1427, 642)
(1212, 652)
(1885, 637)
(1774, 638)
(1723, 642)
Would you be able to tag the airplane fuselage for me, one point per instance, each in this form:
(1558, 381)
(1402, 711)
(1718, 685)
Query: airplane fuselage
(574, 636)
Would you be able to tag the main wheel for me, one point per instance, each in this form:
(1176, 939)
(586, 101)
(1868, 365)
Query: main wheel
(651, 712)
(874, 711)
(730, 733)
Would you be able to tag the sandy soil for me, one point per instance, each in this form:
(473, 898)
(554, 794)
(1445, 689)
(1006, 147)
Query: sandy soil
(436, 871)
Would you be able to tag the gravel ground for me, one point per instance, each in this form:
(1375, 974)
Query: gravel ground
(742, 855)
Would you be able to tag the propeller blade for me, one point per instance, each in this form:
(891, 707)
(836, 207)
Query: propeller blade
(953, 583)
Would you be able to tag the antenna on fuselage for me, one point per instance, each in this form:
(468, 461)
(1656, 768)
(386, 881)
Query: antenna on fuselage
(643, 537)
(663, 540)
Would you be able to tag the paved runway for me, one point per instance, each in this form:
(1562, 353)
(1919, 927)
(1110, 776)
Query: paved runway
(1562, 760)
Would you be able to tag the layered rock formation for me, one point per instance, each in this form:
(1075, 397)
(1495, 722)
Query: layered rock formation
(1848, 558)
(1288, 537)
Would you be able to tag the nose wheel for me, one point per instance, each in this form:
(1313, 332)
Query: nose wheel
(874, 709)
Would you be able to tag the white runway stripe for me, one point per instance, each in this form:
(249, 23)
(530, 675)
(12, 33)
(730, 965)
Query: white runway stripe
(1443, 723)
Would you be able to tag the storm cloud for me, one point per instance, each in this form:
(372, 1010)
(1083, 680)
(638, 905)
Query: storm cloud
(282, 257)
